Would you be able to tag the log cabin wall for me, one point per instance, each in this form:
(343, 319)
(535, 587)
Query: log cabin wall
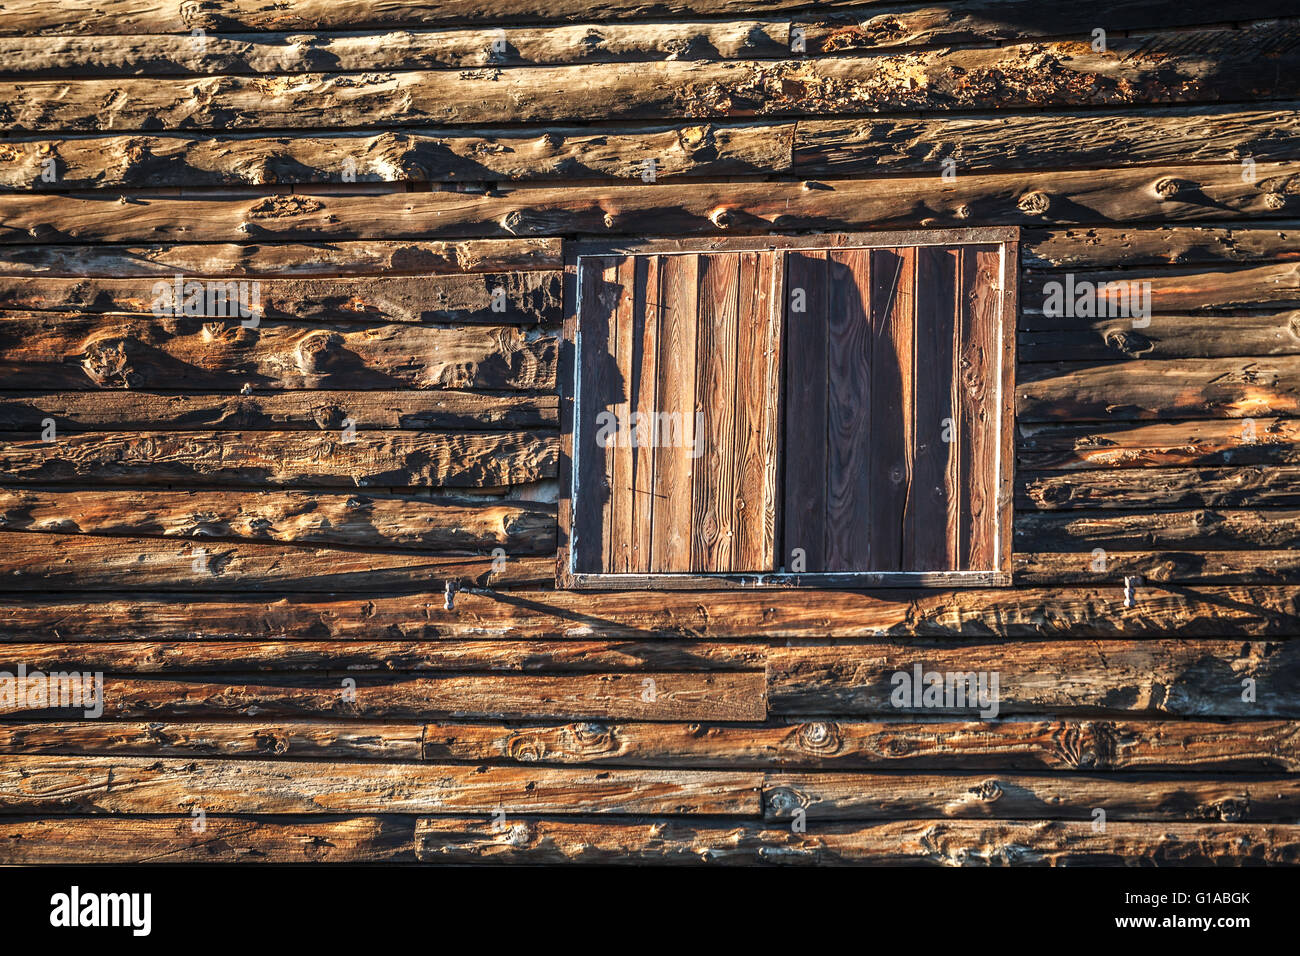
(246, 527)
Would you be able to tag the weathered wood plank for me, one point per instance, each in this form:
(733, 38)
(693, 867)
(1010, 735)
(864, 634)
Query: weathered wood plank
(482, 298)
(1054, 73)
(276, 52)
(1274, 529)
(1159, 389)
(851, 745)
(115, 350)
(845, 147)
(677, 695)
(56, 839)
(807, 399)
(1000, 746)
(1189, 289)
(1168, 193)
(62, 561)
(1185, 678)
(315, 739)
(290, 517)
(1096, 610)
(713, 518)
(1101, 247)
(170, 657)
(1180, 444)
(854, 796)
(82, 17)
(151, 161)
(1163, 337)
(269, 259)
(287, 459)
(1221, 567)
(99, 785)
(1259, 486)
(922, 842)
(126, 409)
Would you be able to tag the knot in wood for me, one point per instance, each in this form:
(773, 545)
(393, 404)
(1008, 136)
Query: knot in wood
(1034, 203)
(819, 737)
(722, 217)
(526, 749)
(988, 790)
(784, 800)
(1170, 186)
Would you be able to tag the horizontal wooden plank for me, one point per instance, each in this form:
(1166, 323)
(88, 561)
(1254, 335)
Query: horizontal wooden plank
(1163, 337)
(1275, 285)
(1051, 73)
(1181, 444)
(1220, 529)
(286, 459)
(276, 52)
(900, 745)
(1163, 676)
(1074, 796)
(1167, 193)
(674, 695)
(1215, 567)
(115, 350)
(912, 843)
(1258, 486)
(170, 657)
(290, 517)
(482, 298)
(1145, 389)
(255, 260)
(1102, 247)
(81, 17)
(893, 744)
(845, 147)
(97, 785)
(63, 561)
(430, 409)
(151, 161)
(158, 839)
(1096, 610)
(348, 740)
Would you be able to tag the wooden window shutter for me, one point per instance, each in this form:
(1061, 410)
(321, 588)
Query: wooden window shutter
(892, 409)
(817, 410)
(676, 435)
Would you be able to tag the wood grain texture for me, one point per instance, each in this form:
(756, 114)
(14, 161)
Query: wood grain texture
(70, 351)
(1242, 334)
(116, 785)
(1169, 193)
(1136, 488)
(678, 695)
(1177, 444)
(30, 560)
(325, 839)
(478, 298)
(252, 259)
(713, 493)
(1189, 566)
(1202, 678)
(1218, 529)
(413, 409)
(1093, 610)
(1064, 74)
(1155, 245)
(920, 842)
(283, 459)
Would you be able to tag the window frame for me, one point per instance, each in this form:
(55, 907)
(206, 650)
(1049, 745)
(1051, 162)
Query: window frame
(569, 388)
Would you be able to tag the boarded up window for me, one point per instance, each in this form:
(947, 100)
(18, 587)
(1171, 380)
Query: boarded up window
(799, 413)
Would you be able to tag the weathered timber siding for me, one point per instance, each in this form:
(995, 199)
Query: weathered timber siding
(247, 527)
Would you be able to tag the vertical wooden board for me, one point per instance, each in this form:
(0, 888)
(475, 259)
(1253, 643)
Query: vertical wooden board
(930, 542)
(804, 451)
(1010, 279)
(713, 499)
(756, 404)
(977, 359)
(850, 431)
(675, 396)
(598, 391)
(645, 332)
(892, 301)
(622, 504)
(772, 442)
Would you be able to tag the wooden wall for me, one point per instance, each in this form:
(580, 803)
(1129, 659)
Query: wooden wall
(204, 532)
